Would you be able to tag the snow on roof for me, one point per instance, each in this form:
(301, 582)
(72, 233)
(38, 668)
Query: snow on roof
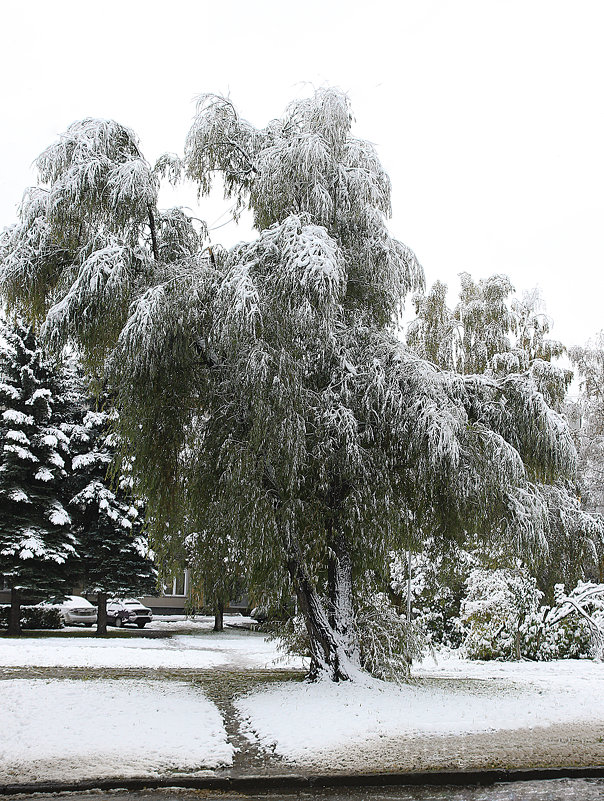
(76, 602)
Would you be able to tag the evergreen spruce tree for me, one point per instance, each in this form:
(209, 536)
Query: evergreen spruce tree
(37, 545)
(107, 521)
(268, 385)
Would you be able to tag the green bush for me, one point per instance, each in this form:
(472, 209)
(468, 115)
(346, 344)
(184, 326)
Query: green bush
(34, 617)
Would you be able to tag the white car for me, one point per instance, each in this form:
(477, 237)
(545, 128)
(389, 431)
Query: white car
(121, 611)
(76, 610)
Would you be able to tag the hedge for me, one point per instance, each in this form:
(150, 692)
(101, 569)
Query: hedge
(34, 617)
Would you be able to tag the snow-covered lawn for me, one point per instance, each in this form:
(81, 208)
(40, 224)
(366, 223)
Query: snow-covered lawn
(448, 699)
(574, 675)
(231, 648)
(195, 623)
(72, 729)
(62, 729)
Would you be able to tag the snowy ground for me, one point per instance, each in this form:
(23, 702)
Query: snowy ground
(233, 648)
(199, 623)
(76, 729)
(455, 713)
(453, 697)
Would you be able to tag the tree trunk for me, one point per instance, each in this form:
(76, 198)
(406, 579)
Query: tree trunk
(218, 616)
(327, 651)
(14, 616)
(153, 233)
(341, 610)
(101, 620)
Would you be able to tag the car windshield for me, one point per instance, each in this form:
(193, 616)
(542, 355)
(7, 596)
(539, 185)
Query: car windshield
(133, 603)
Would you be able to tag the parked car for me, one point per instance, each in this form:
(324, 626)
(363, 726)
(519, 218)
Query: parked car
(121, 611)
(75, 610)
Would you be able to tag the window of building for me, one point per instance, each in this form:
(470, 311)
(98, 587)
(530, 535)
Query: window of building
(179, 586)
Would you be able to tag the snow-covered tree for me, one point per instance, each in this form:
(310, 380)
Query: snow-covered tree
(489, 332)
(582, 605)
(438, 586)
(93, 218)
(502, 618)
(492, 333)
(107, 520)
(269, 382)
(587, 412)
(36, 541)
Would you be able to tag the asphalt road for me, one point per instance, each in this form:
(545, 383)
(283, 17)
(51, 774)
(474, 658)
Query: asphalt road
(550, 790)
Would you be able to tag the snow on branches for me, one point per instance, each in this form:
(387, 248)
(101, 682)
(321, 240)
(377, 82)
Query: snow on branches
(267, 388)
(307, 162)
(93, 310)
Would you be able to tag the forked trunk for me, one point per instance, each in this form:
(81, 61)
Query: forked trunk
(328, 654)
(341, 614)
(101, 614)
(219, 616)
(14, 615)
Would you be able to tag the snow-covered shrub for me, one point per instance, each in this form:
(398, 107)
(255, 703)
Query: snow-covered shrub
(575, 623)
(438, 577)
(387, 642)
(500, 613)
(4, 613)
(567, 639)
(34, 617)
(503, 619)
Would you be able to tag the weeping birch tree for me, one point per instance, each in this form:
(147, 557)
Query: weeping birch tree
(265, 391)
(495, 334)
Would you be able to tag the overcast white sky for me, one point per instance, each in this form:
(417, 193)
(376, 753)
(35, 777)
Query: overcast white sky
(487, 114)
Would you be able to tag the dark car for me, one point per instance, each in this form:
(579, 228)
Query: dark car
(122, 611)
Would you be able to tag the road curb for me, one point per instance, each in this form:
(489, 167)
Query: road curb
(295, 782)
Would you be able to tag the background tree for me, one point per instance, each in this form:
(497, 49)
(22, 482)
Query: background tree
(217, 569)
(587, 415)
(495, 334)
(37, 546)
(107, 521)
(270, 381)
